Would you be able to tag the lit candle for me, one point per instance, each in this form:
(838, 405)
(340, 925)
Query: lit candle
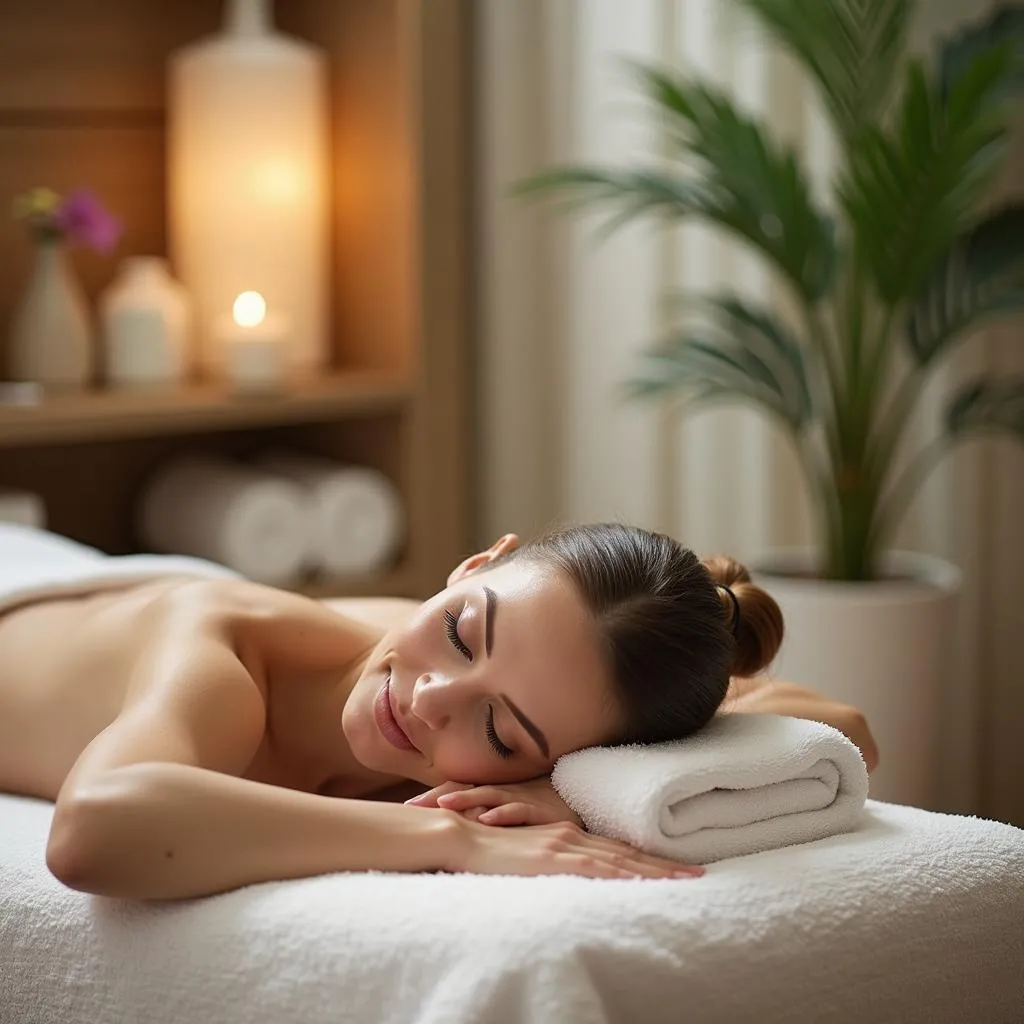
(253, 342)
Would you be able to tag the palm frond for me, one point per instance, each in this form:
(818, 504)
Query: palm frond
(1003, 27)
(742, 352)
(987, 404)
(910, 190)
(766, 346)
(982, 276)
(850, 47)
(742, 182)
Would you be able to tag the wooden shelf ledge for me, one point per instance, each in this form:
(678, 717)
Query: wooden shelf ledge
(147, 412)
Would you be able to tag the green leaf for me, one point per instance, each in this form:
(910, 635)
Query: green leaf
(765, 346)
(910, 189)
(709, 363)
(980, 277)
(742, 182)
(1004, 27)
(988, 404)
(850, 47)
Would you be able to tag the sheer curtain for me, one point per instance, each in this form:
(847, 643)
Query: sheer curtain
(562, 321)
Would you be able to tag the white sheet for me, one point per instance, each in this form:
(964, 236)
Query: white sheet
(743, 784)
(914, 917)
(35, 564)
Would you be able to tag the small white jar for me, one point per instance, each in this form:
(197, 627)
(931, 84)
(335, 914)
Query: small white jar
(146, 322)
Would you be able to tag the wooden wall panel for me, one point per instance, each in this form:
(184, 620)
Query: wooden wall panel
(61, 59)
(374, 217)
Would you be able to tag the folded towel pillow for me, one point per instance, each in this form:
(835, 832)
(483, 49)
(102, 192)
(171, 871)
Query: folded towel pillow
(743, 784)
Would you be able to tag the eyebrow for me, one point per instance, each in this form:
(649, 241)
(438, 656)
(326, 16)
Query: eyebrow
(535, 734)
(492, 609)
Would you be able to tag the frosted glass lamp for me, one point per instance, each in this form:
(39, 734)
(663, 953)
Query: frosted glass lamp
(248, 173)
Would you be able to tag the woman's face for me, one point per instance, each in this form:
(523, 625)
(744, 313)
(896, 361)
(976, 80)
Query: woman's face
(491, 681)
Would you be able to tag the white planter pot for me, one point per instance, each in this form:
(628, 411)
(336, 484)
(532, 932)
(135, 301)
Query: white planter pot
(883, 647)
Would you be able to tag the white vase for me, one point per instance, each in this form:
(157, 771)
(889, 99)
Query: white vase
(51, 334)
(884, 647)
(248, 163)
(145, 316)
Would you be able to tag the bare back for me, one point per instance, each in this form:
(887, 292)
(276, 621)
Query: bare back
(68, 670)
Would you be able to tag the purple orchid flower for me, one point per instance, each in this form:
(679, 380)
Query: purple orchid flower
(83, 218)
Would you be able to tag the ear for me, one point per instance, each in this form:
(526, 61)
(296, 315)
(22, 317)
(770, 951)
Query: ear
(499, 548)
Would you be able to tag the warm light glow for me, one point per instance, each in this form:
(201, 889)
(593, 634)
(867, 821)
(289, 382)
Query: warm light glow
(249, 309)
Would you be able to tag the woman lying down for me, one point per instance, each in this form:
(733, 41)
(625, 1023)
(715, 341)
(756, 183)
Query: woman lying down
(199, 734)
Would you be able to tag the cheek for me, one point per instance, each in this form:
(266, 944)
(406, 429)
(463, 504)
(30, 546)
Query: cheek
(462, 761)
(416, 643)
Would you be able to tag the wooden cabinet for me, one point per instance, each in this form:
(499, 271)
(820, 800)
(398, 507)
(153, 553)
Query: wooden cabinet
(82, 103)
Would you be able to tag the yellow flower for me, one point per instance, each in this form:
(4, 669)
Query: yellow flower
(37, 202)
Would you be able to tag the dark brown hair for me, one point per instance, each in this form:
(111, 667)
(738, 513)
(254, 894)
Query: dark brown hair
(665, 622)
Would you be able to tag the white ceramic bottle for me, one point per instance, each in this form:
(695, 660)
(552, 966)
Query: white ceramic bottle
(51, 341)
(248, 179)
(145, 315)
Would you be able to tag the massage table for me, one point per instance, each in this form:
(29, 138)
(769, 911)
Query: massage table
(912, 917)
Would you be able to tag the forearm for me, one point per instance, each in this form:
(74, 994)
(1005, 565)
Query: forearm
(169, 831)
(770, 698)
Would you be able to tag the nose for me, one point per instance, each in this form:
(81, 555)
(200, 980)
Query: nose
(436, 698)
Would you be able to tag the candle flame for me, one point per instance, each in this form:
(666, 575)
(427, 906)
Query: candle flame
(249, 309)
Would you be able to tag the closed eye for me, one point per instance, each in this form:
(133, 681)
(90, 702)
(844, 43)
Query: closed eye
(451, 627)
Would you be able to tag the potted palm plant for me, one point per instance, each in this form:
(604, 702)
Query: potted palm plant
(907, 266)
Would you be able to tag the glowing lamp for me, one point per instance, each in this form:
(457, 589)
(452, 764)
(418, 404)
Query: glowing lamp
(248, 193)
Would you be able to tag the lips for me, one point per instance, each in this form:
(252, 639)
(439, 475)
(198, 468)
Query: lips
(388, 724)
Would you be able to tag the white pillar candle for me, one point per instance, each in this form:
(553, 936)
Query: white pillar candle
(253, 342)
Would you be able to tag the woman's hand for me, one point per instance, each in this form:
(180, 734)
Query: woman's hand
(518, 803)
(560, 849)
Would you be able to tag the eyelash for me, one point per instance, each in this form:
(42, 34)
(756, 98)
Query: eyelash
(451, 624)
(492, 737)
(451, 628)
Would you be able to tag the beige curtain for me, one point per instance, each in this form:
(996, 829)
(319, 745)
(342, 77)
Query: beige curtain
(561, 322)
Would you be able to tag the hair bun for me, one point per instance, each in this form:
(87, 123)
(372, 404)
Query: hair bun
(760, 628)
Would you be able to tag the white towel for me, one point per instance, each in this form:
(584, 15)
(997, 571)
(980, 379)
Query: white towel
(743, 784)
(221, 509)
(357, 519)
(913, 918)
(35, 564)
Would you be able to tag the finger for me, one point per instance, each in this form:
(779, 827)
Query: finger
(616, 846)
(509, 815)
(430, 798)
(613, 867)
(474, 813)
(476, 796)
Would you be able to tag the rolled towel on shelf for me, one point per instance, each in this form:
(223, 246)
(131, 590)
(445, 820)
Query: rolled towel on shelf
(743, 784)
(23, 508)
(357, 517)
(229, 513)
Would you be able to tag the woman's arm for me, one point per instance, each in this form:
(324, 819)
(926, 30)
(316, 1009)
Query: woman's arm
(171, 831)
(154, 808)
(756, 696)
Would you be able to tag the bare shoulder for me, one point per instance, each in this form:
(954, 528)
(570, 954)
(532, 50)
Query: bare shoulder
(273, 625)
(377, 612)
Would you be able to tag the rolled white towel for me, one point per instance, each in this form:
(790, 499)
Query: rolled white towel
(357, 516)
(743, 784)
(221, 510)
(22, 508)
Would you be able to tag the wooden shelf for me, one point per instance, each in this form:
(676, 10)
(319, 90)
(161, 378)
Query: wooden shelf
(102, 414)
